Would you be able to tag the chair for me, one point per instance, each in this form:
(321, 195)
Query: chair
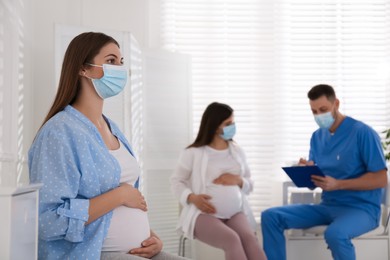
(198, 249)
(182, 245)
(305, 244)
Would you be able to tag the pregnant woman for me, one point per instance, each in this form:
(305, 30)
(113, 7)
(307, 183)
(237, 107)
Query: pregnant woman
(89, 205)
(211, 182)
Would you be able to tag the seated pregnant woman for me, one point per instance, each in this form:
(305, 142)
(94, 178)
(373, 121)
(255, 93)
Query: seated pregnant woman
(89, 205)
(211, 182)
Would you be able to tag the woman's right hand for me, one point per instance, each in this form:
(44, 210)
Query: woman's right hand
(132, 197)
(201, 201)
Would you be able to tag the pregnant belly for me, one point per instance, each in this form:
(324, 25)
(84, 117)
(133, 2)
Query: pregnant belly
(128, 228)
(226, 199)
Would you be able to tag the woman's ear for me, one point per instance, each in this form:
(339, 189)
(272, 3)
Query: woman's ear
(82, 72)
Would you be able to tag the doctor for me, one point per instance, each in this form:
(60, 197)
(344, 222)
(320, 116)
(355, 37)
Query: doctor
(350, 154)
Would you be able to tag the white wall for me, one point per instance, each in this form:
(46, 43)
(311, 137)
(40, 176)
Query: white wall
(120, 15)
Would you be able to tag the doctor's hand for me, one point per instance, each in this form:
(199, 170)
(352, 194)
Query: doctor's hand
(132, 197)
(150, 247)
(229, 179)
(304, 162)
(326, 183)
(201, 201)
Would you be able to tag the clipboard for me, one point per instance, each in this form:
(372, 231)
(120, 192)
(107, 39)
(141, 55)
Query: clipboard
(300, 175)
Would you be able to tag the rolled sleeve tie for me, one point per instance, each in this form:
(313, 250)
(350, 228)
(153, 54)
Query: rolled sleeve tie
(77, 212)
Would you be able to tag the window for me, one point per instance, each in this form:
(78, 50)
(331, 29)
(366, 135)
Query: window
(15, 134)
(261, 57)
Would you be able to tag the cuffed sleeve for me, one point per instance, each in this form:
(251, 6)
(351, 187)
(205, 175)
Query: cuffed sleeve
(184, 196)
(77, 212)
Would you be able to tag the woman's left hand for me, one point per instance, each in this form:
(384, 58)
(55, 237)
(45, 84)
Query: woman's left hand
(228, 179)
(150, 247)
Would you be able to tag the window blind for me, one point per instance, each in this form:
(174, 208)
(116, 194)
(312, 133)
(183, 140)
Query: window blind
(13, 102)
(343, 43)
(134, 108)
(231, 45)
(261, 57)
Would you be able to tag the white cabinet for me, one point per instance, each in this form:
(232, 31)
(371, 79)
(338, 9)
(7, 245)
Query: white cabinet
(19, 222)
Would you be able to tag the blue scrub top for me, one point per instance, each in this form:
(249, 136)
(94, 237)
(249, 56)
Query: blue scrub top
(353, 150)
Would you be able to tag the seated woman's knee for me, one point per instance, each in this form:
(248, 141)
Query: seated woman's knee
(231, 240)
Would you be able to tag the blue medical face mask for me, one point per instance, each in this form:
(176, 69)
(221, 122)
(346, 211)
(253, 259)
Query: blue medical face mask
(113, 81)
(228, 132)
(324, 120)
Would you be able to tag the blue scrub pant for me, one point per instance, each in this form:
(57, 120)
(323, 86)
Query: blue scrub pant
(344, 223)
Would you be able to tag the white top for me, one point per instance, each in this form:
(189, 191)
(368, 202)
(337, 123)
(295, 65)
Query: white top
(190, 177)
(225, 198)
(129, 227)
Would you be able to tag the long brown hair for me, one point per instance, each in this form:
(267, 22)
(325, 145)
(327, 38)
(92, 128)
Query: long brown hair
(212, 118)
(81, 50)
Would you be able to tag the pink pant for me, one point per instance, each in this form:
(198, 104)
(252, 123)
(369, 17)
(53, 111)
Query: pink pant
(234, 236)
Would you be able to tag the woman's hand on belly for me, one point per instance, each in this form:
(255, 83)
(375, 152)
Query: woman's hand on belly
(201, 201)
(150, 247)
(132, 197)
(229, 179)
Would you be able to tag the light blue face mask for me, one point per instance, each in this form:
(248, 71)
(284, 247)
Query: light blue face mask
(324, 120)
(113, 81)
(228, 132)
